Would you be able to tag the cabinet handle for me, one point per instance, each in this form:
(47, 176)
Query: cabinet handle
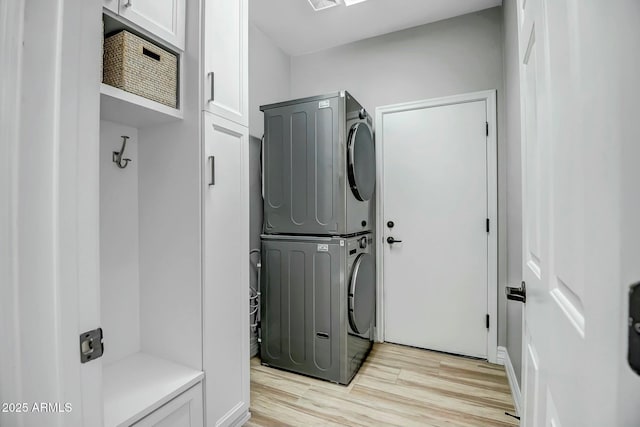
(212, 159)
(128, 3)
(212, 97)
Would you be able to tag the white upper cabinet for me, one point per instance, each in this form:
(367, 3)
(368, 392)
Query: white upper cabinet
(226, 59)
(163, 18)
(112, 5)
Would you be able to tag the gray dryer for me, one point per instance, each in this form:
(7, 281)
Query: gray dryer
(318, 304)
(318, 166)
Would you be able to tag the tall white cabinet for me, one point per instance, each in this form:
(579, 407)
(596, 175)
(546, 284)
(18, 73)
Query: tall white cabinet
(151, 234)
(174, 235)
(226, 256)
(225, 212)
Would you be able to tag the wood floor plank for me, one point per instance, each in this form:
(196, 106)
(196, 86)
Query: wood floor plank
(473, 377)
(383, 372)
(260, 420)
(289, 384)
(437, 403)
(396, 386)
(415, 411)
(289, 414)
(456, 390)
(361, 410)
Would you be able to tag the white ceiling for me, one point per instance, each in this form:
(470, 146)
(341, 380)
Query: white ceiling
(297, 29)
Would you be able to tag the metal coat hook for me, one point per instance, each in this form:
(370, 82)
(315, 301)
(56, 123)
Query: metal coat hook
(117, 155)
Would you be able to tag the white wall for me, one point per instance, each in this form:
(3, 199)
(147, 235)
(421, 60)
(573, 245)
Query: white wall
(170, 222)
(269, 79)
(514, 180)
(119, 244)
(455, 56)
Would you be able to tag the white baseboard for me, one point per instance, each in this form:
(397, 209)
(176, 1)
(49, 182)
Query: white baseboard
(242, 421)
(504, 359)
(500, 355)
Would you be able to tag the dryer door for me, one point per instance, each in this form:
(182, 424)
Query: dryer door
(362, 294)
(361, 162)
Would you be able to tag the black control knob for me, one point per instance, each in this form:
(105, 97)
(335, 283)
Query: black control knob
(363, 243)
(364, 223)
(362, 114)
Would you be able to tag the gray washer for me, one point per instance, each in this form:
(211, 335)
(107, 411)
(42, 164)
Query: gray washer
(318, 166)
(317, 304)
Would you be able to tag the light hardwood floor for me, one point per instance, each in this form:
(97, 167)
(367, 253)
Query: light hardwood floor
(396, 386)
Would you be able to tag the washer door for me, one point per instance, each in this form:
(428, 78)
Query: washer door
(361, 162)
(362, 293)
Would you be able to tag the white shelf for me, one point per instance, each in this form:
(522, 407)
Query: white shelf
(139, 384)
(117, 105)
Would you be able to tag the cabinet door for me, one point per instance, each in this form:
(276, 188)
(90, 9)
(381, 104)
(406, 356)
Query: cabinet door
(226, 271)
(112, 5)
(226, 59)
(163, 18)
(183, 411)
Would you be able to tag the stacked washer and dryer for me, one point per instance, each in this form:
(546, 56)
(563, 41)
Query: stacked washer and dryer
(318, 266)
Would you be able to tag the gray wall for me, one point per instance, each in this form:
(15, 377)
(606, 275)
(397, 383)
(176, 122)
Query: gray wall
(269, 77)
(455, 56)
(514, 180)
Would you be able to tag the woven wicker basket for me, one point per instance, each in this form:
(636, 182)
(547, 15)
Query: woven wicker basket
(140, 67)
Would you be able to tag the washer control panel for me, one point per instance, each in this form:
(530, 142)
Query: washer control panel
(359, 244)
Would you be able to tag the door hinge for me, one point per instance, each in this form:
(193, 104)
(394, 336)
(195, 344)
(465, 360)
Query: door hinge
(487, 128)
(488, 225)
(487, 321)
(91, 346)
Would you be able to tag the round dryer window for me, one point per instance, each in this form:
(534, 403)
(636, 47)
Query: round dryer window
(362, 294)
(362, 162)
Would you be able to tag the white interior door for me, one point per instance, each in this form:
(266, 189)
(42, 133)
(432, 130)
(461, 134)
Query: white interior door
(435, 181)
(535, 324)
(575, 326)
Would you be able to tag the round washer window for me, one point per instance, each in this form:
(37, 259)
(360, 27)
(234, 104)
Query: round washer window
(362, 294)
(362, 162)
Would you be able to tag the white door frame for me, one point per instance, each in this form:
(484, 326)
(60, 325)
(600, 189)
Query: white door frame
(489, 97)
